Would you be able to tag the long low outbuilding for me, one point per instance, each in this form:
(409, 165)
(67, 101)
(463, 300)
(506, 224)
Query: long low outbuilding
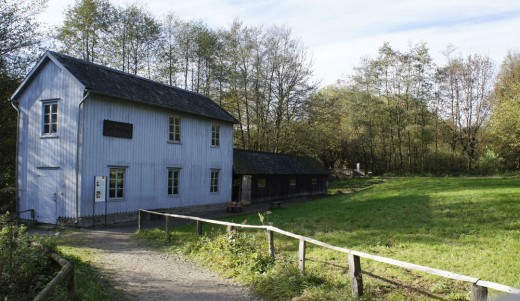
(265, 177)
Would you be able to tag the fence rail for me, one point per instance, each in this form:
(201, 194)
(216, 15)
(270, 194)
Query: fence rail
(479, 288)
(66, 274)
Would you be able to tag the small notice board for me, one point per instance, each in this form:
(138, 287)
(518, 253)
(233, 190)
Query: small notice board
(100, 185)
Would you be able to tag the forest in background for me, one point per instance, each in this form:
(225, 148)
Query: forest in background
(399, 112)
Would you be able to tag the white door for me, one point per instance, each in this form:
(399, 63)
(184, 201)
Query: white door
(245, 193)
(48, 183)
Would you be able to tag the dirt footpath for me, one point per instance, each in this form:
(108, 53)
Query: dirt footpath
(145, 274)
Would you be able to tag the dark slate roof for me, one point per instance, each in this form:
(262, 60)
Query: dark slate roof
(111, 82)
(248, 162)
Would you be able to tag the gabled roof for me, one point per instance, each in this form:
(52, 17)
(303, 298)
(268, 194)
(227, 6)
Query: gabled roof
(248, 162)
(110, 82)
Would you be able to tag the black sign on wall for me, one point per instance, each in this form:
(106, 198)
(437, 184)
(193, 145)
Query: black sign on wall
(117, 129)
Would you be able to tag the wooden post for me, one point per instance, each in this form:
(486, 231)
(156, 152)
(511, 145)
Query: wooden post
(301, 256)
(71, 285)
(270, 243)
(356, 279)
(140, 221)
(199, 227)
(167, 227)
(230, 229)
(479, 293)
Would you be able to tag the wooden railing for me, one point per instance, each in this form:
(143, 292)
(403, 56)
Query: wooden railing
(66, 274)
(479, 288)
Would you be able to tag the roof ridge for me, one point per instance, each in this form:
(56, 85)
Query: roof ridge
(81, 61)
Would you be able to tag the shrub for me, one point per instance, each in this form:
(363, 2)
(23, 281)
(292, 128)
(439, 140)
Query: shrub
(24, 266)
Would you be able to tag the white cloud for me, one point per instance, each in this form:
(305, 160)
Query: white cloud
(337, 32)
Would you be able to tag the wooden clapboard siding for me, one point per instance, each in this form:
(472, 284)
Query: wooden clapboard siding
(36, 153)
(52, 162)
(148, 155)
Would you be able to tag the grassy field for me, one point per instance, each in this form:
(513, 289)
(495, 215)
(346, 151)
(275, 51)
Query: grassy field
(469, 226)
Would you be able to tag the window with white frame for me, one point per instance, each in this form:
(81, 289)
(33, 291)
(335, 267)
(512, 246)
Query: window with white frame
(174, 132)
(116, 183)
(173, 181)
(214, 181)
(215, 135)
(50, 118)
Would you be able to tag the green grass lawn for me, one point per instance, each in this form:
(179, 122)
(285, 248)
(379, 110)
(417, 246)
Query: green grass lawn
(469, 226)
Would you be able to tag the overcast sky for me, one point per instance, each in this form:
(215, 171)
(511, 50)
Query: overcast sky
(337, 33)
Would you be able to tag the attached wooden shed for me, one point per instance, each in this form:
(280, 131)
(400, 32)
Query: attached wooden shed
(263, 177)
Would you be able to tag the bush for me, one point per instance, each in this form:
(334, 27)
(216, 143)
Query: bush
(238, 255)
(24, 266)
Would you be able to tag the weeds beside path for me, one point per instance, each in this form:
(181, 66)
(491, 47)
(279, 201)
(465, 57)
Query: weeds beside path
(145, 274)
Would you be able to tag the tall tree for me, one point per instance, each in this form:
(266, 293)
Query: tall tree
(466, 85)
(19, 35)
(505, 121)
(85, 29)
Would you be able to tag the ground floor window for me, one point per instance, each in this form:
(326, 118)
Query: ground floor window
(292, 182)
(214, 180)
(116, 183)
(173, 181)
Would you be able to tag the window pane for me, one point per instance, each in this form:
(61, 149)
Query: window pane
(46, 128)
(111, 193)
(54, 128)
(120, 193)
(54, 108)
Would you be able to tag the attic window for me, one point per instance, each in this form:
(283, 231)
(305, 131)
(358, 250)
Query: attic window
(50, 118)
(215, 135)
(174, 129)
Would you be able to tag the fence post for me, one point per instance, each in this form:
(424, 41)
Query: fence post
(356, 279)
(199, 227)
(139, 221)
(270, 243)
(167, 227)
(301, 256)
(478, 293)
(230, 230)
(71, 285)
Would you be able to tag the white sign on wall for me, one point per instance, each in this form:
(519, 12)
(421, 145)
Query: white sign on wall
(100, 185)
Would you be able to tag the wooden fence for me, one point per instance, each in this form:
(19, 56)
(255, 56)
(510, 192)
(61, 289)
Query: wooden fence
(479, 288)
(66, 274)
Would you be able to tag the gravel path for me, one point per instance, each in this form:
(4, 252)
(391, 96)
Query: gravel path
(145, 274)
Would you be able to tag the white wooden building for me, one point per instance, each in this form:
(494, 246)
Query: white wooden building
(159, 146)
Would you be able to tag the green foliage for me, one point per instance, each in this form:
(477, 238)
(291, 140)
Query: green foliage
(24, 266)
(238, 255)
(505, 124)
(464, 225)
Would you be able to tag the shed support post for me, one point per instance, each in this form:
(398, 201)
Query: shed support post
(356, 279)
(301, 256)
(270, 243)
(167, 227)
(479, 293)
(199, 227)
(140, 221)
